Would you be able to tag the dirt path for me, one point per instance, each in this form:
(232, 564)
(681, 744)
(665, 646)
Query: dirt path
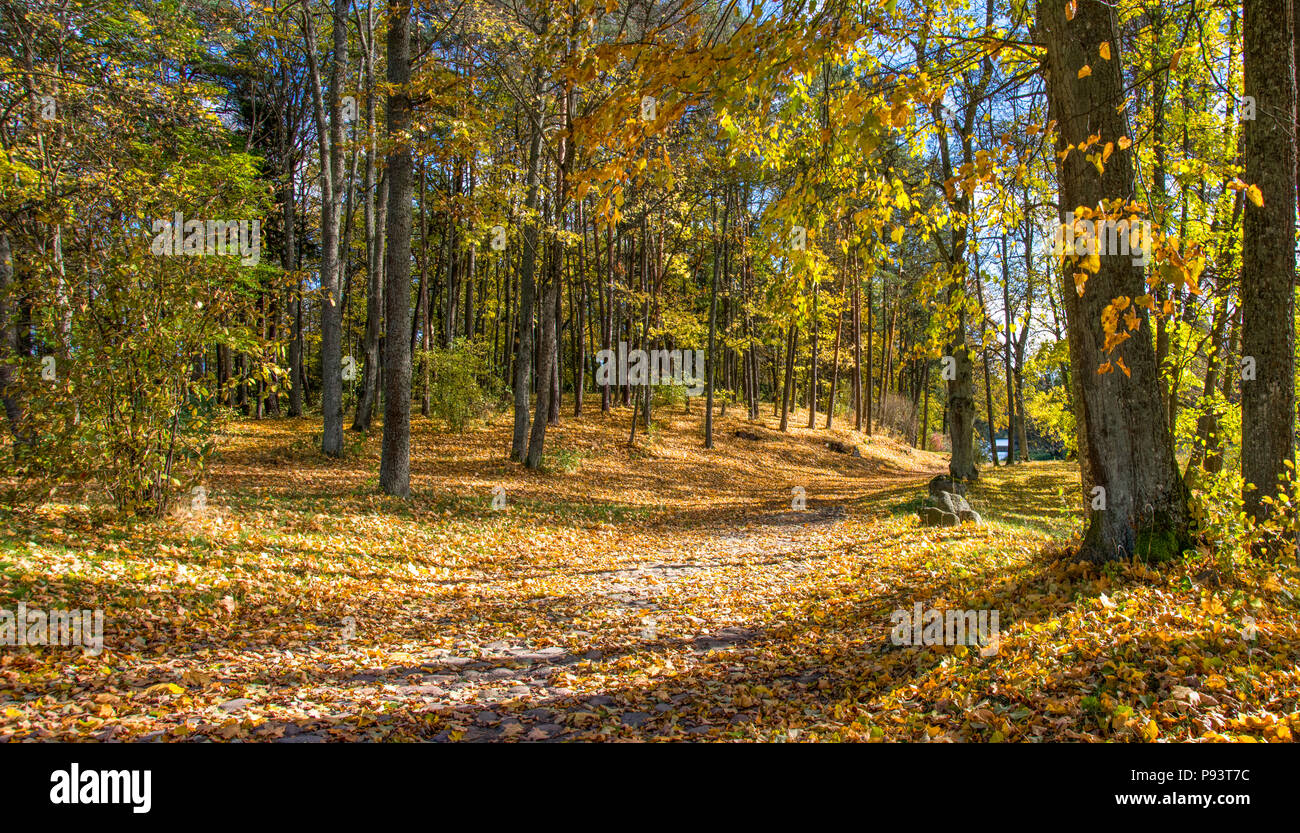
(511, 690)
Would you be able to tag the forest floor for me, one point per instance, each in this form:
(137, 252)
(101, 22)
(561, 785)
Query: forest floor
(662, 592)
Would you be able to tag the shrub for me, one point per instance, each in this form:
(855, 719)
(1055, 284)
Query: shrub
(898, 415)
(110, 375)
(462, 385)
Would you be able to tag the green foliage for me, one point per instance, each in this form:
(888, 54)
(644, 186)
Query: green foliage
(462, 384)
(565, 460)
(1226, 531)
(113, 333)
(1047, 400)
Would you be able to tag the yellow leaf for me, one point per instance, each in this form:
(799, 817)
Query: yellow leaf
(1085, 71)
(1104, 50)
(164, 688)
(1071, 9)
(897, 234)
(1255, 196)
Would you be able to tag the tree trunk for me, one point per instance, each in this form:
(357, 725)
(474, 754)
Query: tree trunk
(710, 371)
(545, 367)
(330, 141)
(812, 366)
(1006, 359)
(787, 391)
(1125, 442)
(395, 464)
(9, 347)
(865, 385)
(835, 364)
(527, 266)
(375, 233)
(1268, 255)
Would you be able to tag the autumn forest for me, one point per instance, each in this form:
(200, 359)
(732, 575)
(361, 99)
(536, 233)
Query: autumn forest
(686, 370)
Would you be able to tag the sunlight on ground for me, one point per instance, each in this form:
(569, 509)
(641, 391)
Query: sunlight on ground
(657, 592)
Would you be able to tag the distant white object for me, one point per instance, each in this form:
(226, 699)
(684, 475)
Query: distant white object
(1001, 449)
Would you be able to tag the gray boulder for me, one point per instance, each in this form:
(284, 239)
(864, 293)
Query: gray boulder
(944, 483)
(934, 516)
(943, 508)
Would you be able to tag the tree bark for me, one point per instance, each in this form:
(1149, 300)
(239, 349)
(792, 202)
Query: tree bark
(835, 364)
(395, 463)
(812, 366)
(9, 347)
(375, 233)
(330, 142)
(787, 391)
(1125, 439)
(527, 267)
(710, 372)
(1268, 255)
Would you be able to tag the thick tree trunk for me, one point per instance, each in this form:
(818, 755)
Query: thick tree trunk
(1125, 439)
(1268, 255)
(961, 411)
(527, 267)
(395, 463)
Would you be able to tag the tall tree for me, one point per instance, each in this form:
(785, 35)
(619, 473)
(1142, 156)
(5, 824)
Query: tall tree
(375, 226)
(527, 270)
(1268, 254)
(395, 464)
(1129, 454)
(329, 135)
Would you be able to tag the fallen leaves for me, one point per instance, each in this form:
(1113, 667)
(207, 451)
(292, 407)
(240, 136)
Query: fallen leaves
(655, 596)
